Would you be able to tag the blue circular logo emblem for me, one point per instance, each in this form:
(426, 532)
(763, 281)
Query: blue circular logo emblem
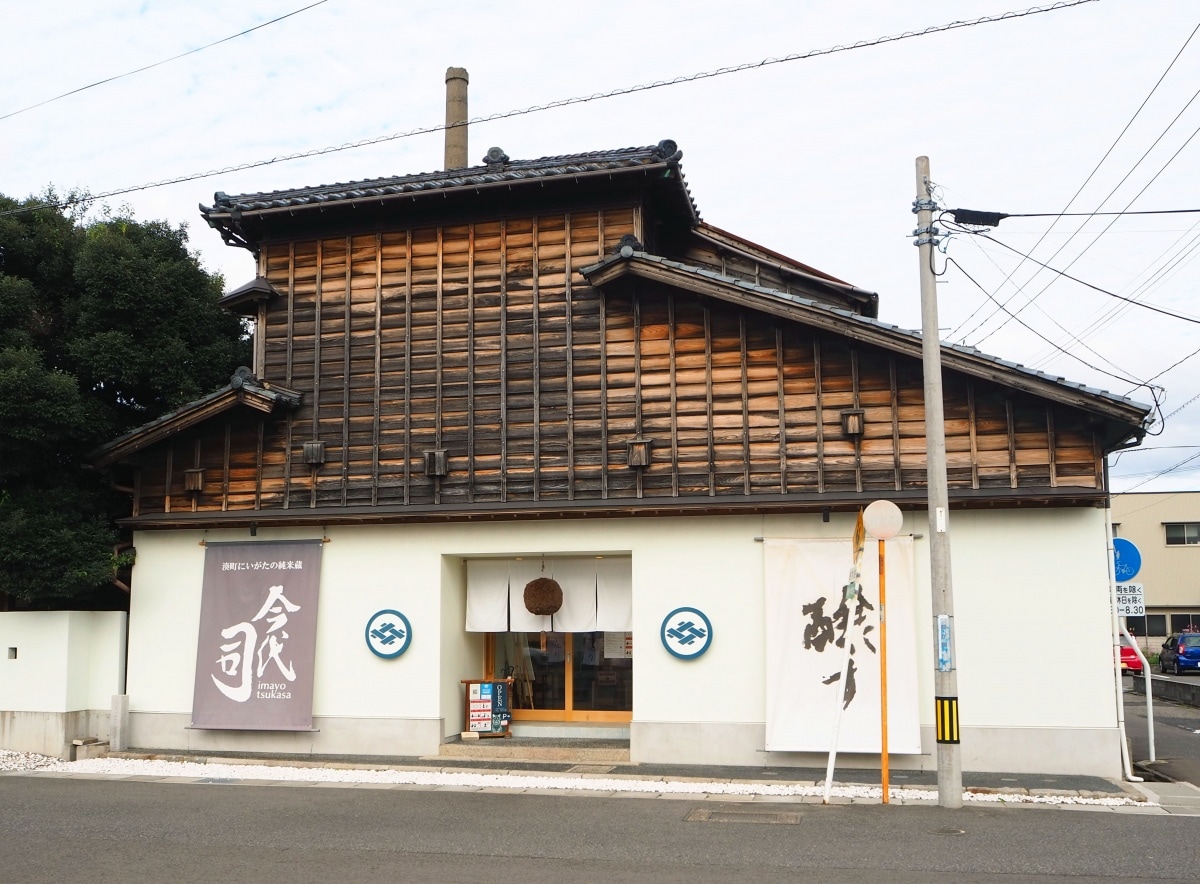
(1127, 559)
(686, 633)
(388, 634)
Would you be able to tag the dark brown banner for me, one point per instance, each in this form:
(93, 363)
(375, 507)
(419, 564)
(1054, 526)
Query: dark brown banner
(258, 635)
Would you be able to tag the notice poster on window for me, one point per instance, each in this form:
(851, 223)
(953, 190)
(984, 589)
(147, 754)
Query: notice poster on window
(618, 646)
(258, 630)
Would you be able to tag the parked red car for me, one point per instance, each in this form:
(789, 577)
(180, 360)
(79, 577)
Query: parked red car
(1129, 658)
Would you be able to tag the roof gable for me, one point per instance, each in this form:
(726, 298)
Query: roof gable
(1125, 415)
(243, 389)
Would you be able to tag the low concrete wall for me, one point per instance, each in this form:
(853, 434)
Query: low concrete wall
(50, 733)
(1185, 692)
(59, 671)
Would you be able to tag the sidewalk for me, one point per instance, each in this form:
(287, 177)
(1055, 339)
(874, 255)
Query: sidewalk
(798, 785)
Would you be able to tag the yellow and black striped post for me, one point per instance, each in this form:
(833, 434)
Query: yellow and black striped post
(947, 719)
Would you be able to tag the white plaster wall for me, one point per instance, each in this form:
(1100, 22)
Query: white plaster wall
(462, 652)
(164, 619)
(67, 661)
(1020, 577)
(37, 680)
(104, 672)
(1032, 615)
(365, 570)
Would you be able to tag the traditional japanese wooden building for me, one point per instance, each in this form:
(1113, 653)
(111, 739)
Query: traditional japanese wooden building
(469, 379)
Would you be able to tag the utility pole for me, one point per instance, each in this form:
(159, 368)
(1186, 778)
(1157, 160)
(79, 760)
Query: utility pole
(945, 678)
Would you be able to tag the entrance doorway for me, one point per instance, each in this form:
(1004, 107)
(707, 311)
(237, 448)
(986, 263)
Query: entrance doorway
(565, 676)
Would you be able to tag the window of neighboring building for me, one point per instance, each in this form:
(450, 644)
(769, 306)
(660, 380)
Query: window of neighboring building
(1182, 533)
(1152, 624)
(1184, 622)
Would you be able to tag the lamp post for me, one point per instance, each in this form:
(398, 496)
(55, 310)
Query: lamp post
(883, 520)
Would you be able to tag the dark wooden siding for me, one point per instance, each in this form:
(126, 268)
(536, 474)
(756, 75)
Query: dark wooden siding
(483, 340)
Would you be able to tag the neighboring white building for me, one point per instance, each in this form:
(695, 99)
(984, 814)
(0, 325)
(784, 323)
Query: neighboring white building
(1165, 527)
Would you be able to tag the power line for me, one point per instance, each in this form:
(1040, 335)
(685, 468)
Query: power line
(1137, 384)
(1085, 183)
(1141, 449)
(1145, 187)
(1065, 275)
(1053, 347)
(1161, 473)
(1182, 407)
(1172, 259)
(160, 63)
(1159, 502)
(565, 102)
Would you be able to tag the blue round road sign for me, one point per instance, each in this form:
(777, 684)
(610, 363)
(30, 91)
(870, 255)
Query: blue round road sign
(1127, 560)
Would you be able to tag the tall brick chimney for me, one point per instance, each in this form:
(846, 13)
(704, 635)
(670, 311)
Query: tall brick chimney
(456, 118)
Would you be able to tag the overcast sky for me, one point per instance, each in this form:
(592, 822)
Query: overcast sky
(812, 157)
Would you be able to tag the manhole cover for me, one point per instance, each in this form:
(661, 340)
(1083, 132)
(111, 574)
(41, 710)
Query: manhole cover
(742, 815)
(948, 831)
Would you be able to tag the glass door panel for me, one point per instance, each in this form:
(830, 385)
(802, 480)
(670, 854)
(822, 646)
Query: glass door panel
(539, 675)
(601, 672)
(562, 676)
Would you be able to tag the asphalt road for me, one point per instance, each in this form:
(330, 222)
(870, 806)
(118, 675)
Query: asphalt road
(1176, 736)
(71, 829)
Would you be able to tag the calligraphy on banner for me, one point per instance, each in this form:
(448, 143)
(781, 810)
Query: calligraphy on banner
(258, 628)
(810, 619)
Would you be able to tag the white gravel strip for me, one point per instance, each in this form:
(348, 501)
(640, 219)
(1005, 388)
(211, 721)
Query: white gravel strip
(126, 767)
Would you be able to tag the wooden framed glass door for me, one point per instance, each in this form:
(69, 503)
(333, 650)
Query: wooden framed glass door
(565, 676)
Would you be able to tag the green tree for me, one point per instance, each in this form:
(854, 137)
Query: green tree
(105, 324)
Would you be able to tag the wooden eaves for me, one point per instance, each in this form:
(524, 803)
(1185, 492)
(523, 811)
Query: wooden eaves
(242, 390)
(1125, 418)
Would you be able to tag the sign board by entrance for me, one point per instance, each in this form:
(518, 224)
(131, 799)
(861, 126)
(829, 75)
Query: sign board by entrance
(1131, 600)
(488, 707)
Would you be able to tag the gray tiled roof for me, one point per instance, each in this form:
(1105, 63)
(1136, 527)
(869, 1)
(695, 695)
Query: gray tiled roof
(664, 153)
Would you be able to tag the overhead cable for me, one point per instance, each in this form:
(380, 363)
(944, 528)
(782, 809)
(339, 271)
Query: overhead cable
(1171, 469)
(1136, 384)
(160, 63)
(1085, 183)
(564, 102)
(1065, 275)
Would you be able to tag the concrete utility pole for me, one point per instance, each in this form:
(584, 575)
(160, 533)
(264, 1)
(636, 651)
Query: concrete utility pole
(949, 757)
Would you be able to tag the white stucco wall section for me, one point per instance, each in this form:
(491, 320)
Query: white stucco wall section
(1023, 582)
(65, 661)
(1031, 605)
(59, 671)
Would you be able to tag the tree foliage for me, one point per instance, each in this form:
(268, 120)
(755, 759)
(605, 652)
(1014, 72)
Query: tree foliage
(105, 324)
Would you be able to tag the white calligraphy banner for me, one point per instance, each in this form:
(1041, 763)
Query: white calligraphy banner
(807, 627)
(258, 633)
